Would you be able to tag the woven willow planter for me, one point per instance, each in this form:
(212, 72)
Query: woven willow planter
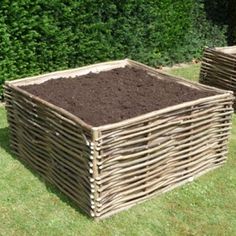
(219, 68)
(112, 167)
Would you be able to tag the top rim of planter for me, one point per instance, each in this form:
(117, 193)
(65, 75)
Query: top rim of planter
(108, 66)
(230, 50)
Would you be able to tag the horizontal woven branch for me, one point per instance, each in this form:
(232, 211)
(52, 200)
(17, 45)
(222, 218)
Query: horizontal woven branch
(110, 168)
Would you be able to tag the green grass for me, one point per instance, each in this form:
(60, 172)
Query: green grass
(190, 72)
(206, 206)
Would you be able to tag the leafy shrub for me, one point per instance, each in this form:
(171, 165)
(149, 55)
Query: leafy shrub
(41, 36)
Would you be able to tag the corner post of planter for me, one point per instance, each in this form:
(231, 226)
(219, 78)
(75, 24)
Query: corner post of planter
(95, 170)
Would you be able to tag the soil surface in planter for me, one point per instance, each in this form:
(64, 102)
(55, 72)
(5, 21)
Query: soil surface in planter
(115, 95)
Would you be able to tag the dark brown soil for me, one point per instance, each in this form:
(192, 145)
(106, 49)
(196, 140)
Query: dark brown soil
(114, 95)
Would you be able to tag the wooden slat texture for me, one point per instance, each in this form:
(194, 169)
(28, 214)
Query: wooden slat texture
(110, 168)
(52, 144)
(218, 68)
(150, 157)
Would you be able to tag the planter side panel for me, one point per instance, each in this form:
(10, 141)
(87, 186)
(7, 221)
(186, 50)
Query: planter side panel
(142, 159)
(218, 69)
(52, 145)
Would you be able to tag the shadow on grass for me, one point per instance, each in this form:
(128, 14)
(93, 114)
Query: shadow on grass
(5, 144)
(4, 140)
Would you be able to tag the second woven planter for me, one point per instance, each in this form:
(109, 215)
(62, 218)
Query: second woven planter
(219, 68)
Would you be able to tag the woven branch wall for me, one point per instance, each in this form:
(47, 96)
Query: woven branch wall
(218, 68)
(110, 168)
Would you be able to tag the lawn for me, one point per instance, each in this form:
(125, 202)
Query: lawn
(206, 206)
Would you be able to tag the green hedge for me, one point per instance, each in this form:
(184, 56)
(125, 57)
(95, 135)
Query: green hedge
(41, 35)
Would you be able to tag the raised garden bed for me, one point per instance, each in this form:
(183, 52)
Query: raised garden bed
(219, 68)
(113, 139)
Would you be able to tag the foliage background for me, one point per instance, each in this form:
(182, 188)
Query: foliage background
(223, 12)
(40, 36)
